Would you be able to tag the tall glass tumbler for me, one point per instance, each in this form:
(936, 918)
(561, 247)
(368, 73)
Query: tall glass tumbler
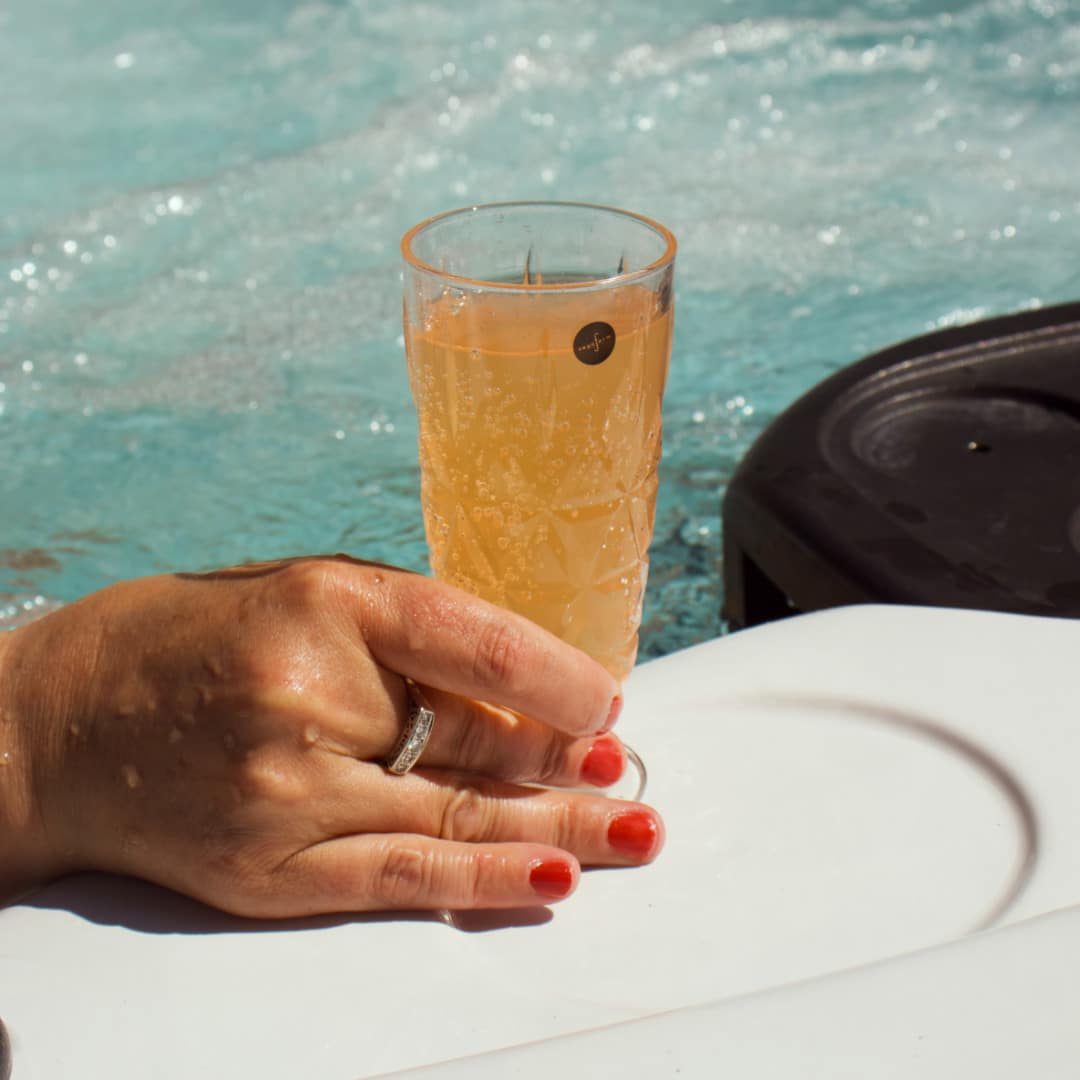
(538, 337)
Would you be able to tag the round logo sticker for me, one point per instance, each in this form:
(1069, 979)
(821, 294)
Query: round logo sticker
(594, 342)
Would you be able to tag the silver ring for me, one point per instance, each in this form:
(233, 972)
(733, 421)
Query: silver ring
(414, 735)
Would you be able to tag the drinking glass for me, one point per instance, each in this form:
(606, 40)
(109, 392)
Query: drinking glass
(538, 337)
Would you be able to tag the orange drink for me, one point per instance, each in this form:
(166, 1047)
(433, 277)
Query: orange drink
(539, 405)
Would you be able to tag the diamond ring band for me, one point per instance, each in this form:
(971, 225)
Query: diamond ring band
(414, 735)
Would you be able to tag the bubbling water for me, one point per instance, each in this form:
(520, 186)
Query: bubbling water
(200, 356)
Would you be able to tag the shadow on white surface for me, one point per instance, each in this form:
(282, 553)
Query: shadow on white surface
(139, 906)
(969, 752)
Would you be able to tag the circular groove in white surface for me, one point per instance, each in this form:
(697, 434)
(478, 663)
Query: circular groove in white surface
(857, 826)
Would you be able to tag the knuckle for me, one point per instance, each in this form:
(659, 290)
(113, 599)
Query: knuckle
(466, 816)
(265, 779)
(565, 826)
(307, 583)
(308, 596)
(403, 877)
(499, 656)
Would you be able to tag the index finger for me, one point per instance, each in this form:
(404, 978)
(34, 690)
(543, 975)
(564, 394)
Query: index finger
(451, 640)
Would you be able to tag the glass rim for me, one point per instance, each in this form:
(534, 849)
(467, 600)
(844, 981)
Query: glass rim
(416, 263)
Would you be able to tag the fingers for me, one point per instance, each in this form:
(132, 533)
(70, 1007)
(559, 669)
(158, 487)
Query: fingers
(406, 872)
(598, 831)
(478, 738)
(358, 797)
(455, 642)
(420, 842)
(458, 847)
(473, 737)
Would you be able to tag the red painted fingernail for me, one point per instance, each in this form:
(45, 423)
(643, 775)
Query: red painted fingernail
(552, 878)
(613, 713)
(604, 763)
(634, 833)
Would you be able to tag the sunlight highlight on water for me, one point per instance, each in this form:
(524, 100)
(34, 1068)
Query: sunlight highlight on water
(200, 353)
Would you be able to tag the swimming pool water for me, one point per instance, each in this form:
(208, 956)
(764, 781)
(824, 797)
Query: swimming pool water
(200, 353)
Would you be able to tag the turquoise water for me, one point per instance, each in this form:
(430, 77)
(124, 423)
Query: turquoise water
(200, 353)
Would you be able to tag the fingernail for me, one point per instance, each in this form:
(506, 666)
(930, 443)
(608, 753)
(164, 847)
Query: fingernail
(634, 833)
(604, 763)
(552, 878)
(613, 712)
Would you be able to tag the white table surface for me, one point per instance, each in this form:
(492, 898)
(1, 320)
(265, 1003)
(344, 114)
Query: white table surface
(997, 1005)
(839, 789)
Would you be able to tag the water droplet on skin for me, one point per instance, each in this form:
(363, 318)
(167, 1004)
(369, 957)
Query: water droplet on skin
(5, 758)
(310, 735)
(74, 729)
(131, 776)
(175, 736)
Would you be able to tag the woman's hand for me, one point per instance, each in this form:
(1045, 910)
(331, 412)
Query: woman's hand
(223, 734)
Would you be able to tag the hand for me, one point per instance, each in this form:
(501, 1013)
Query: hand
(223, 735)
